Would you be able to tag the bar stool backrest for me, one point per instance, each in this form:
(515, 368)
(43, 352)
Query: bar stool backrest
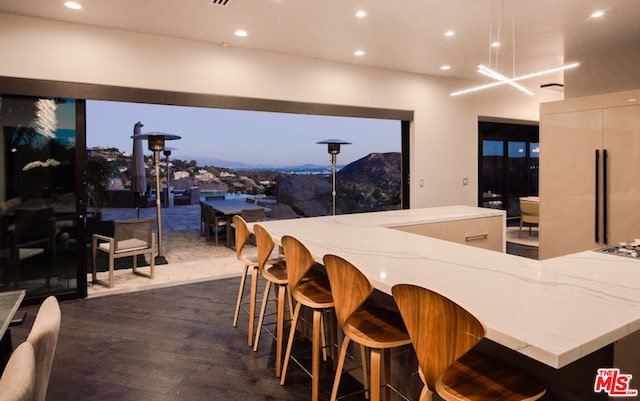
(242, 235)
(265, 245)
(299, 260)
(441, 331)
(349, 287)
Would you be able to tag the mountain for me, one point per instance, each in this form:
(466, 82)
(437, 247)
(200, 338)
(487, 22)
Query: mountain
(379, 170)
(368, 184)
(212, 161)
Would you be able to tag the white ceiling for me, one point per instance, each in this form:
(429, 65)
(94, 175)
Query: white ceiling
(404, 35)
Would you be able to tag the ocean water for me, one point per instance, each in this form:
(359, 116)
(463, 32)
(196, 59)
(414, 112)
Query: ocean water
(204, 193)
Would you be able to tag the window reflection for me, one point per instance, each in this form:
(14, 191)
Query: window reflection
(508, 169)
(37, 194)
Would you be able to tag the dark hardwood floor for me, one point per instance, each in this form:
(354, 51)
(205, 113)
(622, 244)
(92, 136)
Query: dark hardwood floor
(168, 344)
(525, 251)
(172, 344)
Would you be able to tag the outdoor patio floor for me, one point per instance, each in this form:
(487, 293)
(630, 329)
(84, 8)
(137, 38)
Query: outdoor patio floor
(191, 257)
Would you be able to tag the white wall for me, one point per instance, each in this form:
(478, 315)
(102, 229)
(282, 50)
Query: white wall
(611, 69)
(443, 135)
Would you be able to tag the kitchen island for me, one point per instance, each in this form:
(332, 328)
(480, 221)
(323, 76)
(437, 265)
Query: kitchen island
(555, 311)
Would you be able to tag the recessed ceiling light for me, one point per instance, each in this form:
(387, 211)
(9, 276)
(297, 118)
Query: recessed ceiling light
(495, 44)
(361, 14)
(358, 53)
(632, 100)
(72, 5)
(445, 67)
(449, 33)
(597, 14)
(241, 33)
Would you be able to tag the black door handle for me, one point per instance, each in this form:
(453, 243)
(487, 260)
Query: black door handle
(597, 219)
(604, 197)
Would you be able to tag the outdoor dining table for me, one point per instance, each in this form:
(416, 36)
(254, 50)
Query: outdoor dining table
(230, 207)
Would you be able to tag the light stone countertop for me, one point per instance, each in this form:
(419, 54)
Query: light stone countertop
(554, 311)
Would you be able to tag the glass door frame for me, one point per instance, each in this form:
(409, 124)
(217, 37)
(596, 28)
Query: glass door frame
(505, 131)
(82, 91)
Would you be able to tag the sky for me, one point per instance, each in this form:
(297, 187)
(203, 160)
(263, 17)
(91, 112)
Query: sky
(251, 137)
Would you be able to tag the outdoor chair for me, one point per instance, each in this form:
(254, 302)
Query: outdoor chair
(131, 238)
(203, 214)
(252, 215)
(214, 222)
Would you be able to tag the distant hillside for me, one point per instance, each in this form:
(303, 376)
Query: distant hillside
(368, 184)
(212, 161)
(381, 170)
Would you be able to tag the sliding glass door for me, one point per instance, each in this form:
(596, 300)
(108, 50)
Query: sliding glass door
(39, 239)
(508, 165)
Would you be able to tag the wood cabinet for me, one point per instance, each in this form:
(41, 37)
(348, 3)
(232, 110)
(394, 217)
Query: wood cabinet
(485, 232)
(589, 173)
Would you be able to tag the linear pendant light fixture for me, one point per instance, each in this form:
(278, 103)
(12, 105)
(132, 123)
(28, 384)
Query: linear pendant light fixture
(495, 75)
(501, 79)
(494, 46)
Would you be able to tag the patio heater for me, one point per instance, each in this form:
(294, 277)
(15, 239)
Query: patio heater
(167, 153)
(333, 147)
(156, 145)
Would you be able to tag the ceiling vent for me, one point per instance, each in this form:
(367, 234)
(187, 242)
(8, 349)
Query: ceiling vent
(222, 3)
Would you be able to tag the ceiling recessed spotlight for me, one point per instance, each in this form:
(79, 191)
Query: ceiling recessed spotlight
(632, 100)
(241, 33)
(597, 14)
(72, 5)
(358, 53)
(445, 67)
(449, 33)
(495, 44)
(361, 14)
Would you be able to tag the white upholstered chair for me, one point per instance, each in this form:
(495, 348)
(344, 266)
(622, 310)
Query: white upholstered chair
(19, 376)
(44, 338)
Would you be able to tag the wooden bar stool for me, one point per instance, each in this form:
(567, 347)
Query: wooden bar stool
(249, 261)
(443, 335)
(275, 272)
(376, 328)
(309, 288)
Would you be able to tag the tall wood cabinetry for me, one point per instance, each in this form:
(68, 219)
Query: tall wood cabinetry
(589, 173)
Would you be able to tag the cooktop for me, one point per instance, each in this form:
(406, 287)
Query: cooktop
(628, 249)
